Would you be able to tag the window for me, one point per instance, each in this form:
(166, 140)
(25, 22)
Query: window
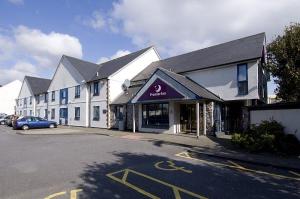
(30, 100)
(53, 113)
(155, 115)
(46, 97)
(38, 112)
(38, 99)
(242, 77)
(64, 96)
(30, 112)
(77, 113)
(53, 96)
(77, 91)
(96, 88)
(25, 102)
(41, 97)
(96, 113)
(46, 113)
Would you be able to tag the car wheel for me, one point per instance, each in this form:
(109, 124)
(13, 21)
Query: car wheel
(25, 127)
(2, 123)
(51, 126)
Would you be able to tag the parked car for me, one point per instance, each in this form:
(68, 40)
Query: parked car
(30, 122)
(8, 120)
(2, 120)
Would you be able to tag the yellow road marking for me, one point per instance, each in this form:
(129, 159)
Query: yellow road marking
(74, 192)
(56, 194)
(176, 189)
(237, 165)
(171, 166)
(297, 174)
(186, 155)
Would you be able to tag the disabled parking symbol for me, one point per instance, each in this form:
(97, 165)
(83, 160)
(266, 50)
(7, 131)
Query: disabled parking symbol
(170, 166)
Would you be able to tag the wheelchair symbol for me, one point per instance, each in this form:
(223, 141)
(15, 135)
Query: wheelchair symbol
(170, 166)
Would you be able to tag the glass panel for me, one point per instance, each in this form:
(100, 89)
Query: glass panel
(242, 72)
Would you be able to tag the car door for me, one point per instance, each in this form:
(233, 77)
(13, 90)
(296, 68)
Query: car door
(42, 123)
(31, 121)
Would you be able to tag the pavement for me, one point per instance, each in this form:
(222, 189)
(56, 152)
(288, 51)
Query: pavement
(81, 166)
(219, 146)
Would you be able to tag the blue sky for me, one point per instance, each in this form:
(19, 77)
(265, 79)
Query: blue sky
(34, 34)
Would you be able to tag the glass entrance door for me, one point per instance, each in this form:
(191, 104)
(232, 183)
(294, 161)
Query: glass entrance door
(188, 123)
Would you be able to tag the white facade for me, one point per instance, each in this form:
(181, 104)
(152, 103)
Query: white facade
(129, 71)
(223, 81)
(8, 94)
(66, 77)
(26, 101)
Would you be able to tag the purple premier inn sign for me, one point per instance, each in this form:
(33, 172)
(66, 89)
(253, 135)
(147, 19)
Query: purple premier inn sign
(159, 90)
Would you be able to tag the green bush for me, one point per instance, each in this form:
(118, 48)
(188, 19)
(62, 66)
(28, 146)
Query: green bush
(268, 136)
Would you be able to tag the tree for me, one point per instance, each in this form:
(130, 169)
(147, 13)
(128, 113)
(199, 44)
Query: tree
(284, 63)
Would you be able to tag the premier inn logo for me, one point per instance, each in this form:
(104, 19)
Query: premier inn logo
(158, 92)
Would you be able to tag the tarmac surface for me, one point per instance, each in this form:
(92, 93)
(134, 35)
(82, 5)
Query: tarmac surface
(100, 166)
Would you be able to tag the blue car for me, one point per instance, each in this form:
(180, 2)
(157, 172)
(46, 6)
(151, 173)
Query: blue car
(30, 122)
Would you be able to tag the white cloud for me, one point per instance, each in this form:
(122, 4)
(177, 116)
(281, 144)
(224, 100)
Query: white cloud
(177, 26)
(44, 48)
(119, 53)
(17, 71)
(26, 51)
(97, 21)
(17, 2)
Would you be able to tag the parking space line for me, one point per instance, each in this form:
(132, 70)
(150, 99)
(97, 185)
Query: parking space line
(187, 156)
(296, 174)
(176, 189)
(56, 194)
(235, 164)
(74, 192)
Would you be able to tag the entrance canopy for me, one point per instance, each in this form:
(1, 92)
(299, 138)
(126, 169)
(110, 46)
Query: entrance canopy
(165, 85)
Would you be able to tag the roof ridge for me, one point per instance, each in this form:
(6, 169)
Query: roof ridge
(127, 55)
(28, 76)
(213, 46)
(79, 59)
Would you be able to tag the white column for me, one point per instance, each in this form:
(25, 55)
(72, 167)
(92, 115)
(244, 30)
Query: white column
(198, 119)
(204, 118)
(133, 118)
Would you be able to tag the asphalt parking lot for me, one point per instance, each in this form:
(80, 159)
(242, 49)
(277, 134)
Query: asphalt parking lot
(98, 166)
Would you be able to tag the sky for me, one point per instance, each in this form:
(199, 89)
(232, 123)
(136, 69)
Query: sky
(35, 34)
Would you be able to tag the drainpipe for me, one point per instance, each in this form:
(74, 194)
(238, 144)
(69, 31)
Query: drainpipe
(204, 117)
(198, 119)
(133, 118)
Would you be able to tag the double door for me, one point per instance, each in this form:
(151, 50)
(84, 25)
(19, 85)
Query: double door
(188, 122)
(63, 116)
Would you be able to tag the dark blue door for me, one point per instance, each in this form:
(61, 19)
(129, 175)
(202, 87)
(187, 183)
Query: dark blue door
(63, 116)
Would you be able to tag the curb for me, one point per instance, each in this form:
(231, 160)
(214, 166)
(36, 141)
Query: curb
(244, 160)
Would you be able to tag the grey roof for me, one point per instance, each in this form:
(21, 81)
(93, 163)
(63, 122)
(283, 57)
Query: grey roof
(125, 97)
(192, 86)
(89, 70)
(108, 68)
(85, 68)
(38, 85)
(246, 48)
